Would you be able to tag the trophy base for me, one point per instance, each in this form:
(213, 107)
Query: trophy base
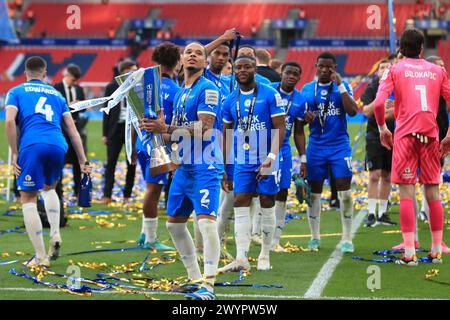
(163, 169)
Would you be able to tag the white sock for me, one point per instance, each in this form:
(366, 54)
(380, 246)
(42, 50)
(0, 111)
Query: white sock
(425, 208)
(142, 228)
(383, 207)
(314, 216)
(33, 226)
(52, 208)
(416, 213)
(211, 251)
(267, 229)
(198, 240)
(150, 226)
(372, 206)
(225, 212)
(256, 216)
(346, 202)
(182, 240)
(242, 231)
(280, 213)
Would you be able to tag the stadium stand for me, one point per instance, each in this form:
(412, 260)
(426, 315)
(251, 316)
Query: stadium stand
(443, 51)
(351, 62)
(353, 19)
(96, 63)
(96, 18)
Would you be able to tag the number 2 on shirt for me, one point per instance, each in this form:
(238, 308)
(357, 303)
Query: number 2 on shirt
(423, 96)
(43, 108)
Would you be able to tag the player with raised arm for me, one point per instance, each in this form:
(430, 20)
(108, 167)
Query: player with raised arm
(39, 159)
(327, 101)
(417, 86)
(292, 99)
(167, 55)
(217, 61)
(196, 183)
(254, 114)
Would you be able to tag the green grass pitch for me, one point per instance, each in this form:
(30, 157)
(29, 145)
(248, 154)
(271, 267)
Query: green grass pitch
(295, 271)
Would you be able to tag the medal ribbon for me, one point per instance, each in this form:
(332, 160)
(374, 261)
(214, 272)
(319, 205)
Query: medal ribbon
(179, 115)
(250, 111)
(288, 107)
(236, 49)
(323, 115)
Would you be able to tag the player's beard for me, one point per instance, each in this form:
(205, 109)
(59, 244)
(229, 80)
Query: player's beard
(217, 68)
(249, 81)
(192, 69)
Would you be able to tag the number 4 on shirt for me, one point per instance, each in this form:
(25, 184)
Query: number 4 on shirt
(43, 108)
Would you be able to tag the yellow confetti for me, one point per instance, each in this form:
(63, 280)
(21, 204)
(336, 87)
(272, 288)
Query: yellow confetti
(85, 227)
(432, 273)
(83, 216)
(80, 294)
(101, 242)
(4, 254)
(289, 247)
(392, 231)
(93, 265)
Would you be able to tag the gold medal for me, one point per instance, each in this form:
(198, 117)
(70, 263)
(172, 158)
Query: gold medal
(246, 146)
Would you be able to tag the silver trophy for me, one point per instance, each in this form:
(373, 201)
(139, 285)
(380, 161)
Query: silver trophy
(160, 161)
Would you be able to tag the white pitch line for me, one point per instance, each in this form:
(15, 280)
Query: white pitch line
(280, 297)
(325, 273)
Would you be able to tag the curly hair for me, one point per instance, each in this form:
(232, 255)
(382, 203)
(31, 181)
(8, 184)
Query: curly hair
(166, 54)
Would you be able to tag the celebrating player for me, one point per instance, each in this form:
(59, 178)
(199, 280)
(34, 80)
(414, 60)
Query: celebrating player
(167, 55)
(247, 50)
(290, 76)
(218, 59)
(328, 99)
(417, 85)
(196, 184)
(39, 160)
(252, 111)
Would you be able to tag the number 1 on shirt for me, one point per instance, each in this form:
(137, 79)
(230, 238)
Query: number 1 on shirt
(423, 96)
(43, 108)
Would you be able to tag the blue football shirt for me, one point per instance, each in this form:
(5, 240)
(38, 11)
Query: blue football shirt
(221, 81)
(295, 111)
(333, 131)
(202, 97)
(268, 104)
(40, 111)
(169, 89)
